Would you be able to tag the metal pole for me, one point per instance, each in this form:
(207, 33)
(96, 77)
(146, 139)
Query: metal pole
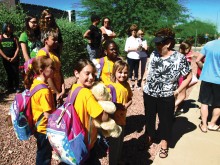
(196, 40)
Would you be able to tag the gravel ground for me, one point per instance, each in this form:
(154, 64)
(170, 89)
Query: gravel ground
(15, 152)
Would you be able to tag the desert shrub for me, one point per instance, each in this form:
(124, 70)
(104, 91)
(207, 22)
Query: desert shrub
(73, 47)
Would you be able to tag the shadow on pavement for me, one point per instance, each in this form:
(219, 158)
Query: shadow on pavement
(187, 104)
(181, 126)
(134, 153)
(134, 123)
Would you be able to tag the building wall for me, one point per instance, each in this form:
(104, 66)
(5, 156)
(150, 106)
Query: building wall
(37, 9)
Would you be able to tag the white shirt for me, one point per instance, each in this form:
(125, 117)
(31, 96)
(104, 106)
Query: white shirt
(132, 42)
(143, 54)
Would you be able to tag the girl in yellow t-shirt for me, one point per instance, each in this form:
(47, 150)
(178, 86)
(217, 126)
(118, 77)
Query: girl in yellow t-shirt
(124, 95)
(87, 106)
(111, 55)
(56, 83)
(41, 102)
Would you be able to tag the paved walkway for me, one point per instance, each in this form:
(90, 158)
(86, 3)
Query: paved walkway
(189, 146)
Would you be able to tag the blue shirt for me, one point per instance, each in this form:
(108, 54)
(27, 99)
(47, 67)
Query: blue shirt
(211, 68)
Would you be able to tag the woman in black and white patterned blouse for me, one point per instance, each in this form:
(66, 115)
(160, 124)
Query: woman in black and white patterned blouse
(165, 67)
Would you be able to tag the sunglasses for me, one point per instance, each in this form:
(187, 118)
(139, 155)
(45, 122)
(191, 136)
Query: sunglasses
(160, 43)
(33, 22)
(48, 17)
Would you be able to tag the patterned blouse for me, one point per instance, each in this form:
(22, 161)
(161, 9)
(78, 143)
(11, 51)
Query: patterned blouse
(164, 73)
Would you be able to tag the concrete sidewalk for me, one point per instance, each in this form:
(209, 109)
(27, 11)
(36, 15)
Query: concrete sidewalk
(190, 146)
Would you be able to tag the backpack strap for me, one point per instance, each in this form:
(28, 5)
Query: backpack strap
(32, 92)
(101, 62)
(113, 93)
(37, 88)
(72, 97)
(47, 52)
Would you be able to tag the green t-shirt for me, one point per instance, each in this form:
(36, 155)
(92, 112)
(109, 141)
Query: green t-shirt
(32, 47)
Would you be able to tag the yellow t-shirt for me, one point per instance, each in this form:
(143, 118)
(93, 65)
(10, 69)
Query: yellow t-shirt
(106, 70)
(41, 101)
(57, 65)
(86, 106)
(123, 95)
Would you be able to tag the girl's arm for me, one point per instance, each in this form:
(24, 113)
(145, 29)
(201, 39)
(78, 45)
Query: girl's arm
(60, 95)
(128, 104)
(24, 51)
(52, 86)
(17, 50)
(199, 59)
(86, 35)
(183, 84)
(103, 117)
(4, 56)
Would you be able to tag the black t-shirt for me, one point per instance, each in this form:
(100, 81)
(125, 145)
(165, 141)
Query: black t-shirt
(95, 36)
(8, 46)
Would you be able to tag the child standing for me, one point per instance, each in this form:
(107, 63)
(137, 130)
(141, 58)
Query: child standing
(111, 55)
(185, 49)
(9, 49)
(124, 95)
(87, 106)
(56, 83)
(41, 102)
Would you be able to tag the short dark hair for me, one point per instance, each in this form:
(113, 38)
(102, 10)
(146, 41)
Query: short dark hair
(169, 34)
(5, 25)
(104, 19)
(95, 17)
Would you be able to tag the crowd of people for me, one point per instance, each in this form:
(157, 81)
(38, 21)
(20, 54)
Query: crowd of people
(164, 79)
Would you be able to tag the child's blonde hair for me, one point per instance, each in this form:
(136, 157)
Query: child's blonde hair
(37, 64)
(46, 34)
(118, 66)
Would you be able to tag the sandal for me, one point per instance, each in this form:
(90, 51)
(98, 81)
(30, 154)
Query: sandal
(213, 128)
(202, 129)
(163, 153)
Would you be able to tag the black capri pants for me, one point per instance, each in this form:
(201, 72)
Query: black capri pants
(164, 106)
(133, 67)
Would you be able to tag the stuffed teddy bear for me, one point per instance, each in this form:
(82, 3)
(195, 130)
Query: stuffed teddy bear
(109, 128)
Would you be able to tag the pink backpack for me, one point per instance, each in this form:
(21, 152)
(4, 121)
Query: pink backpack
(66, 133)
(21, 113)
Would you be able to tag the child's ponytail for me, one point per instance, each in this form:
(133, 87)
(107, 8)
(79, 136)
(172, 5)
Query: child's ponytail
(29, 78)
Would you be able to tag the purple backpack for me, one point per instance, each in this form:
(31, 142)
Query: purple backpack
(21, 113)
(66, 133)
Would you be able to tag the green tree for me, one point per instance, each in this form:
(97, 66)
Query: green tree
(147, 14)
(196, 31)
(73, 47)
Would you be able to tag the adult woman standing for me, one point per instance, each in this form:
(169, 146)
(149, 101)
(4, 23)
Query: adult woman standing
(142, 53)
(94, 36)
(30, 38)
(48, 23)
(132, 46)
(107, 32)
(161, 87)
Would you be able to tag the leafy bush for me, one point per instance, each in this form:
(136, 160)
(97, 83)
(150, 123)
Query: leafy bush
(73, 47)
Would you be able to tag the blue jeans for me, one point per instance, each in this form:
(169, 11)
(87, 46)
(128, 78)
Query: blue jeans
(93, 52)
(44, 149)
